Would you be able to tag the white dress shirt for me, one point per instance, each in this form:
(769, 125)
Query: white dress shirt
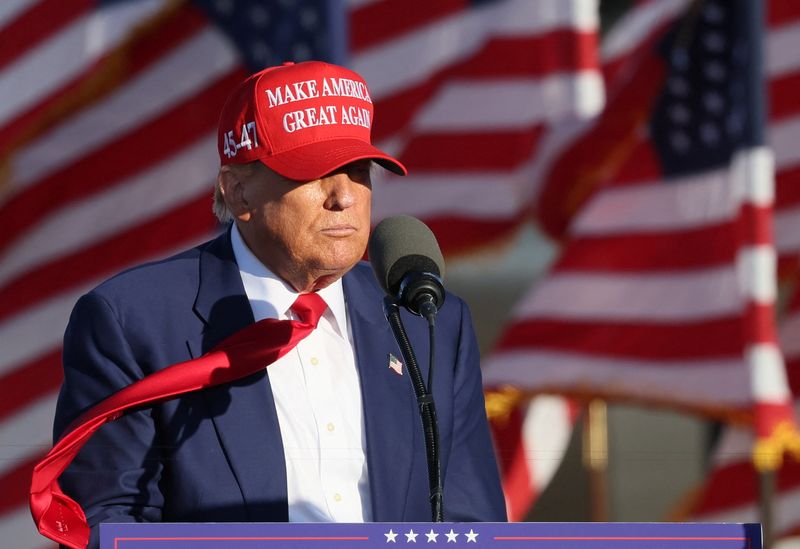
(318, 398)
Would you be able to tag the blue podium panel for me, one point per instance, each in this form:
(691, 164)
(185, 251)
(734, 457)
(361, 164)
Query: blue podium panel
(463, 535)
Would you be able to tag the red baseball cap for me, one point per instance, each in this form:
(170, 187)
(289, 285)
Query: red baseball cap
(301, 120)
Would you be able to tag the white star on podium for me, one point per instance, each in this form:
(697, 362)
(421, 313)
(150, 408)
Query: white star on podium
(451, 536)
(432, 536)
(411, 536)
(472, 536)
(390, 536)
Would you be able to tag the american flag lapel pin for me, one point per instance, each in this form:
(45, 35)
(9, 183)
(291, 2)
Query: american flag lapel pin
(395, 365)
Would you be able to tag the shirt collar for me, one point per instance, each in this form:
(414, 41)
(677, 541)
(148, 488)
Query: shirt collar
(271, 297)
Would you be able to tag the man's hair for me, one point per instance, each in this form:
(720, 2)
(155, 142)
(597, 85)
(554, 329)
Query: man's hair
(219, 208)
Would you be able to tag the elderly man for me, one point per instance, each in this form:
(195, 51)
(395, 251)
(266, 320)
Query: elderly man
(328, 432)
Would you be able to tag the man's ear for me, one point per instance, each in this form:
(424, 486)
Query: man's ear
(232, 185)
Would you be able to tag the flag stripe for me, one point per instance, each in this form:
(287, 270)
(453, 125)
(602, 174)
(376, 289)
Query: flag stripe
(113, 162)
(188, 221)
(381, 21)
(126, 108)
(706, 246)
(469, 151)
(26, 74)
(84, 223)
(466, 31)
(36, 24)
(717, 338)
(26, 434)
(396, 110)
(31, 381)
(121, 64)
(711, 292)
(707, 386)
(16, 484)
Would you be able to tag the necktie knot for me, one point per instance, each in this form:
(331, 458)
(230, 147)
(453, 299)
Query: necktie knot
(309, 308)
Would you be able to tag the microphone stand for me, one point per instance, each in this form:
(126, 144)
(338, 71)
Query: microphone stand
(427, 410)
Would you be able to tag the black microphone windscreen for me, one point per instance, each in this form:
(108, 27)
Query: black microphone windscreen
(402, 244)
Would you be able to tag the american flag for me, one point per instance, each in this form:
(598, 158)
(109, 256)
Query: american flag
(664, 291)
(108, 144)
(730, 492)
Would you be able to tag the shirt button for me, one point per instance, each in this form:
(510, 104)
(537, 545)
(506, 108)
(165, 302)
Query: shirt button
(337, 496)
(331, 427)
(314, 361)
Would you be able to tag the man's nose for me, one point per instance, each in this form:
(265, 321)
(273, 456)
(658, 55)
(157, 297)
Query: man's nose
(341, 192)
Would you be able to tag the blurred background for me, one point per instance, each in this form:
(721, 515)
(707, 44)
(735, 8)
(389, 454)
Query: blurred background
(612, 183)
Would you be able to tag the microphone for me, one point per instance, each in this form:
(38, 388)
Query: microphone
(408, 264)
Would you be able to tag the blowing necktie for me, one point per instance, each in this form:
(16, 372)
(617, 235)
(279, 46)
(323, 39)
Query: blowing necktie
(246, 352)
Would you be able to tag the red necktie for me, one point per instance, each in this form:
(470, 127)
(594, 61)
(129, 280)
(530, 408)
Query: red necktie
(246, 352)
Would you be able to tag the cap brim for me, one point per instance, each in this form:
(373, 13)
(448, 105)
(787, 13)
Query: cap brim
(316, 160)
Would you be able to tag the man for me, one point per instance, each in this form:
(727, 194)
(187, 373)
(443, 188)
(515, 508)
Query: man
(329, 432)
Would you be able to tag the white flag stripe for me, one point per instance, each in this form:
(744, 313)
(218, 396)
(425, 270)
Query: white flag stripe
(415, 56)
(768, 373)
(506, 104)
(705, 294)
(790, 329)
(27, 433)
(753, 173)
(708, 381)
(11, 9)
(546, 431)
(689, 202)
(146, 194)
(45, 67)
(37, 329)
(783, 137)
(781, 46)
(18, 525)
(393, 198)
(787, 230)
(163, 86)
(636, 25)
(756, 267)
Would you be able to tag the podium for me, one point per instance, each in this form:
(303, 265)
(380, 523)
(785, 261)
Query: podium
(458, 535)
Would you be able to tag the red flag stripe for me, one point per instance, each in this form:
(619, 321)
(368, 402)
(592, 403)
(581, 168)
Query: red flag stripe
(456, 235)
(787, 188)
(30, 381)
(783, 97)
(717, 338)
(114, 162)
(16, 483)
(635, 252)
(780, 12)
(36, 24)
(382, 21)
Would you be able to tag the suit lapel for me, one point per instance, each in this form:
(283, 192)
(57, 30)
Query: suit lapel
(387, 399)
(243, 412)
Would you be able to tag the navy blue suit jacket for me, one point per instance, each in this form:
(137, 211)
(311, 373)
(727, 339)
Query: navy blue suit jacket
(216, 455)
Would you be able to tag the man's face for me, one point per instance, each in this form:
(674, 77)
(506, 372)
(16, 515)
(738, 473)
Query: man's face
(310, 234)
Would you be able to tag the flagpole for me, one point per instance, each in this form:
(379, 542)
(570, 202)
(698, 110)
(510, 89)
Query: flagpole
(766, 496)
(595, 458)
